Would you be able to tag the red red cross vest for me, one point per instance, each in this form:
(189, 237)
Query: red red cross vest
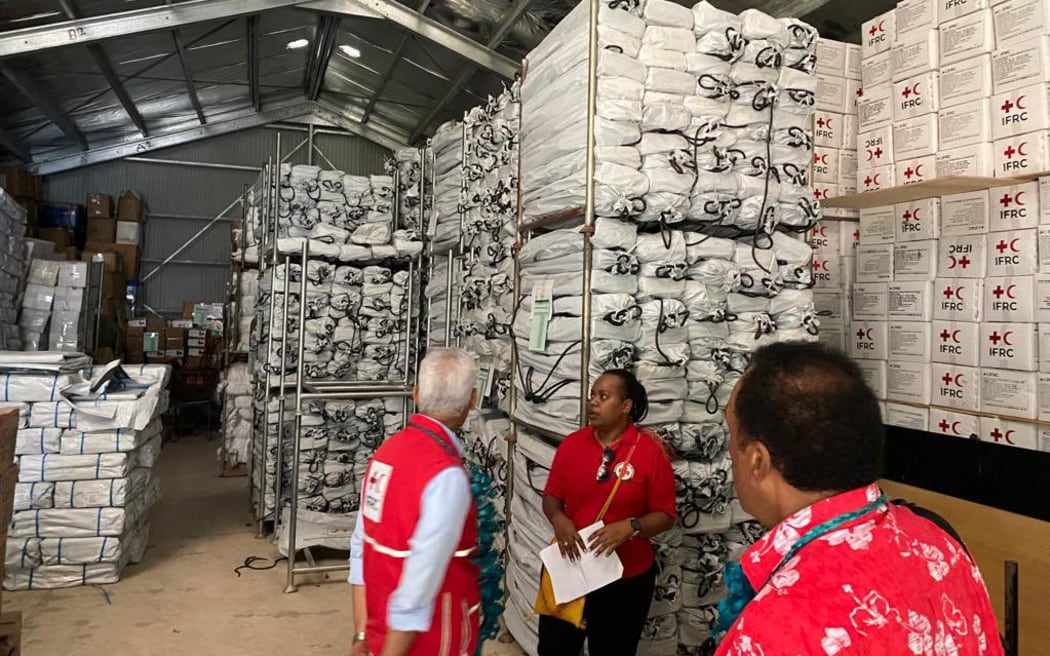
(390, 500)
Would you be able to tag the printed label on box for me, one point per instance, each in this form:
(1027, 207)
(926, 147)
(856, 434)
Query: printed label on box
(1009, 299)
(915, 260)
(918, 220)
(915, 137)
(956, 386)
(907, 416)
(954, 424)
(1021, 154)
(877, 70)
(875, 263)
(965, 124)
(908, 381)
(874, 372)
(831, 57)
(831, 94)
(824, 237)
(875, 148)
(1044, 348)
(962, 257)
(1020, 19)
(910, 300)
(957, 299)
(1020, 64)
(1010, 346)
(826, 165)
(831, 306)
(828, 129)
(915, 55)
(967, 36)
(877, 34)
(1023, 111)
(1011, 393)
(1009, 433)
(1042, 385)
(848, 170)
(876, 179)
(909, 341)
(914, 15)
(849, 136)
(914, 171)
(875, 106)
(877, 225)
(915, 96)
(853, 61)
(966, 81)
(975, 160)
(1013, 253)
(956, 343)
(1016, 208)
(1042, 299)
(868, 340)
(870, 301)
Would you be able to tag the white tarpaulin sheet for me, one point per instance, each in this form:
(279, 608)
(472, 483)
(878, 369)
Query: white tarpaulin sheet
(38, 441)
(49, 577)
(83, 522)
(81, 551)
(34, 496)
(34, 387)
(105, 492)
(118, 440)
(56, 467)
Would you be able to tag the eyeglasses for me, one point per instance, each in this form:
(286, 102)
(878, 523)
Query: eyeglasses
(608, 455)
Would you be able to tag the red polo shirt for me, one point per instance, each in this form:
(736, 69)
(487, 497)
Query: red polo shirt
(573, 480)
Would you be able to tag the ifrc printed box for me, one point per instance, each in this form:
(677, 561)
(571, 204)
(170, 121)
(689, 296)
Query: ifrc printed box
(877, 34)
(956, 343)
(1015, 208)
(954, 424)
(1021, 154)
(1020, 19)
(849, 137)
(915, 137)
(868, 340)
(875, 147)
(951, 9)
(831, 57)
(825, 190)
(828, 128)
(915, 260)
(1013, 253)
(1010, 393)
(853, 61)
(832, 306)
(967, 36)
(831, 270)
(826, 165)
(848, 170)
(854, 92)
(915, 96)
(1044, 347)
(874, 372)
(956, 386)
(1012, 346)
(914, 171)
(965, 124)
(1022, 111)
(877, 70)
(1009, 299)
(962, 257)
(1042, 386)
(909, 341)
(875, 106)
(958, 299)
(876, 179)
(914, 16)
(1044, 201)
(907, 416)
(964, 214)
(875, 263)
(1042, 303)
(915, 55)
(831, 94)
(918, 220)
(870, 301)
(825, 237)
(1009, 433)
(910, 301)
(908, 382)
(974, 160)
(1020, 64)
(966, 81)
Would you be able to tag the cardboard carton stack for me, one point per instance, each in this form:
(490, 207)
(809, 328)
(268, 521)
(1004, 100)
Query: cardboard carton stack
(193, 340)
(835, 123)
(52, 305)
(13, 258)
(26, 190)
(834, 246)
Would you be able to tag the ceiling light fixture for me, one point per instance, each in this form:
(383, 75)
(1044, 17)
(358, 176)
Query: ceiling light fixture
(297, 44)
(350, 51)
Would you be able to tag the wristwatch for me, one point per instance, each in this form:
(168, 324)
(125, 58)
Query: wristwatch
(636, 525)
(359, 637)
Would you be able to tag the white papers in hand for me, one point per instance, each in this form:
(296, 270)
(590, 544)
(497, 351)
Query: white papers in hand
(572, 580)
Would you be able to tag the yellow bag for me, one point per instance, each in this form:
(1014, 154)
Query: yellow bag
(571, 611)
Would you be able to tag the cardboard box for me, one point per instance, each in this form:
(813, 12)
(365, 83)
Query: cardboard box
(910, 301)
(854, 60)
(1042, 385)
(1044, 348)
(967, 36)
(907, 416)
(11, 633)
(1012, 393)
(875, 148)
(1009, 433)
(1012, 346)
(831, 57)
(956, 343)
(1009, 299)
(916, 54)
(102, 231)
(908, 382)
(129, 232)
(1021, 155)
(854, 92)
(962, 257)
(965, 214)
(875, 263)
(975, 160)
(828, 270)
(831, 93)
(131, 207)
(181, 323)
(916, 260)
(877, 34)
(956, 387)
(954, 424)
(110, 256)
(1015, 208)
(868, 340)
(129, 258)
(918, 220)
(870, 301)
(848, 169)
(914, 171)
(915, 96)
(1020, 64)
(966, 81)
(175, 354)
(876, 179)
(1020, 20)
(20, 183)
(958, 299)
(915, 137)
(60, 237)
(877, 225)
(874, 372)
(1023, 111)
(914, 16)
(877, 70)
(965, 124)
(951, 9)
(826, 166)
(1013, 253)
(99, 206)
(828, 129)
(831, 305)
(875, 106)
(909, 341)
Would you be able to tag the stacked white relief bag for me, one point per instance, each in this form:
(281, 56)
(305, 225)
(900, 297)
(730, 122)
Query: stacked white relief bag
(86, 481)
(13, 265)
(248, 283)
(52, 305)
(406, 166)
(235, 394)
(485, 441)
(444, 221)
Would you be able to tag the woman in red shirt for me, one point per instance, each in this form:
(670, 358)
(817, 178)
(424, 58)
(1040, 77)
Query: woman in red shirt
(585, 469)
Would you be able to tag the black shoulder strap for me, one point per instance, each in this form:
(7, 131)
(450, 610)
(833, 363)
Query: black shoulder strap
(437, 438)
(941, 522)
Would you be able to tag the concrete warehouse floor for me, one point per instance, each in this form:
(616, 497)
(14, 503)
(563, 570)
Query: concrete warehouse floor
(184, 598)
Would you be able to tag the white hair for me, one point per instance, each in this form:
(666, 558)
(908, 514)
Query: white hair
(446, 378)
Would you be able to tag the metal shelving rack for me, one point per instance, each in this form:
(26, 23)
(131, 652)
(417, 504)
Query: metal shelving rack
(231, 354)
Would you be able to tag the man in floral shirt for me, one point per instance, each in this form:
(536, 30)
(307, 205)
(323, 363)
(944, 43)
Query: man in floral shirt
(842, 571)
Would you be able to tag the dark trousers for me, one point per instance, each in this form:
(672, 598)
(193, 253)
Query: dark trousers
(615, 617)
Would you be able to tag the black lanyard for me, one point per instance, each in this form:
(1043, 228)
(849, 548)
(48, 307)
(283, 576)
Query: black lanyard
(437, 438)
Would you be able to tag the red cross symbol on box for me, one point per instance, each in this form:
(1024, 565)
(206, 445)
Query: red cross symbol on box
(1006, 200)
(995, 338)
(860, 334)
(856, 234)
(907, 92)
(948, 292)
(873, 31)
(1007, 106)
(907, 214)
(1010, 152)
(909, 172)
(944, 425)
(860, 92)
(947, 378)
(821, 122)
(964, 261)
(998, 291)
(1002, 246)
(878, 153)
(996, 434)
(945, 335)
(867, 181)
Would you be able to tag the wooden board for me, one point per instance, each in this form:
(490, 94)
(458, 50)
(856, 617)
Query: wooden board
(993, 537)
(939, 187)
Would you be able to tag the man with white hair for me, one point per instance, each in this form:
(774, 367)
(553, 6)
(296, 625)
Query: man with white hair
(415, 588)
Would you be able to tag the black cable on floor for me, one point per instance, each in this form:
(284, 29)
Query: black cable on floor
(249, 563)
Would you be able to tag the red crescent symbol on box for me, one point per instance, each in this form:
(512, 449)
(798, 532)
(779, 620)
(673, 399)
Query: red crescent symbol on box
(957, 377)
(1020, 102)
(1020, 149)
(1013, 245)
(1006, 337)
(958, 294)
(1010, 291)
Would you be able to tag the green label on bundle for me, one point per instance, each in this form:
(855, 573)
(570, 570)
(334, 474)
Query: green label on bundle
(542, 292)
(484, 383)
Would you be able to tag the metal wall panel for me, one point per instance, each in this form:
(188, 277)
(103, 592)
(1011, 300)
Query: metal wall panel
(182, 199)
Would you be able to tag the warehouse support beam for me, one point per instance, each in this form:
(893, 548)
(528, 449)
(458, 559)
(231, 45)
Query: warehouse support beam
(792, 8)
(29, 89)
(15, 145)
(253, 62)
(508, 21)
(93, 30)
(395, 59)
(320, 55)
(187, 73)
(425, 27)
(383, 137)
